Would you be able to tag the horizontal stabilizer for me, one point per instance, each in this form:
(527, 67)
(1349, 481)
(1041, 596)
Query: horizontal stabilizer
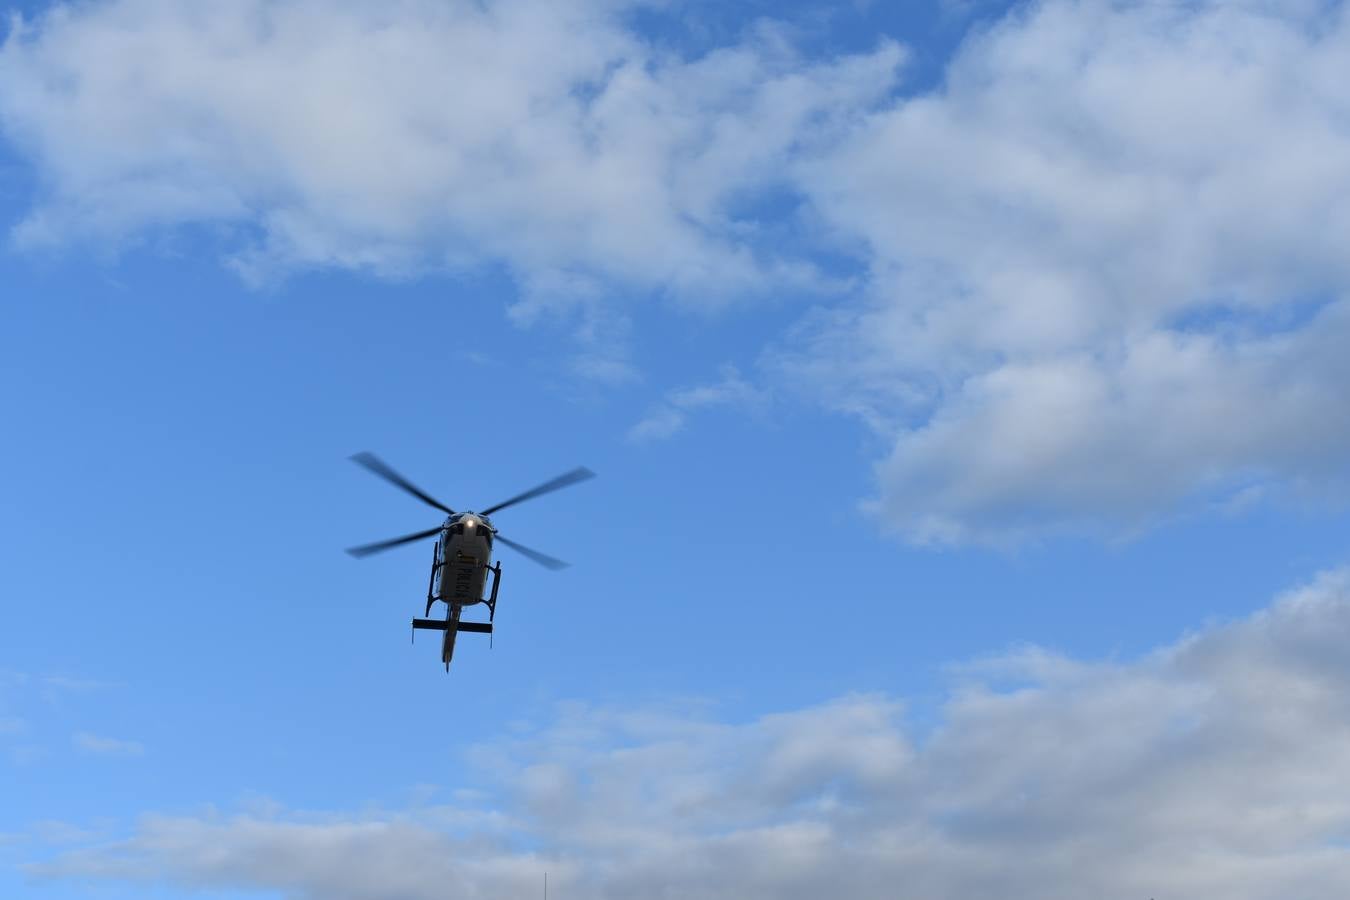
(442, 625)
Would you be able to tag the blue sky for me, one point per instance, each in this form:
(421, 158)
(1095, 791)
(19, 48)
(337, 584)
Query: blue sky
(965, 385)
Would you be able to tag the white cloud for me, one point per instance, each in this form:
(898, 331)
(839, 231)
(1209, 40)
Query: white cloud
(1076, 438)
(106, 746)
(546, 136)
(1213, 767)
(1107, 268)
(672, 414)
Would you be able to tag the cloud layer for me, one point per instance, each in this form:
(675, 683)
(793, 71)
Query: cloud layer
(1097, 275)
(1213, 767)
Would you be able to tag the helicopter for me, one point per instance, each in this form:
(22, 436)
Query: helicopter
(462, 558)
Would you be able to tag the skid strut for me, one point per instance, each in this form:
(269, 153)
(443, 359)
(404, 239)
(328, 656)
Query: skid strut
(431, 582)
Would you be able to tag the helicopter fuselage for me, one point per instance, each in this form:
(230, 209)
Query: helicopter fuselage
(463, 555)
(460, 565)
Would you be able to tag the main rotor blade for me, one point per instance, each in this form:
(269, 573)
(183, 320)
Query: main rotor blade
(367, 549)
(541, 558)
(581, 473)
(380, 468)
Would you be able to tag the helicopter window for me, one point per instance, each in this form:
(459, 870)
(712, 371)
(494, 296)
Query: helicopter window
(457, 528)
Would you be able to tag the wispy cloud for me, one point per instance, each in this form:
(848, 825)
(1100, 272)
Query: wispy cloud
(106, 746)
(672, 414)
(47, 683)
(1210, 767)
(55, 832)
(20, 693)
(69, 683)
